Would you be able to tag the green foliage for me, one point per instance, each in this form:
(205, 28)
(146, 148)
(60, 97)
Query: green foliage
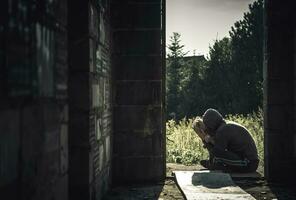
(184, 146)
(247, 59)
(174, 65)
(230, 80)
(192, 97)
(219, 77)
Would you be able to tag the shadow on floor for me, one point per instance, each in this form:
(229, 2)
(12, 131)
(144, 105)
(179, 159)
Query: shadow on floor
(166, 191)
(262, 190)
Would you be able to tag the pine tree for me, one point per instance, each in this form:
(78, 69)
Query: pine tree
(174, 67)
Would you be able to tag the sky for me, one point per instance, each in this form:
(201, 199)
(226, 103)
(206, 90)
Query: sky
(201, 22)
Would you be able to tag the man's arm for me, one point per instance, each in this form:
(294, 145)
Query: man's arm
(209, 139)
(221, 141)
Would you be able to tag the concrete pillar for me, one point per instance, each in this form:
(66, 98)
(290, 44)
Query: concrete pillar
(138, 97)
(279, 97)
(33, 100)
(90, 111)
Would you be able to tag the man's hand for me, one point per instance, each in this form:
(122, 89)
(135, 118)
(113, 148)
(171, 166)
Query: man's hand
(198, 127)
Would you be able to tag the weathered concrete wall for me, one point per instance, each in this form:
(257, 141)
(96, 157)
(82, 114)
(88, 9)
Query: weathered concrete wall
(279, 96)
(33, 108)
(137, 56)
(89, 99)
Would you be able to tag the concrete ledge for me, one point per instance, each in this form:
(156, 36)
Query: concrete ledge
(209, 185)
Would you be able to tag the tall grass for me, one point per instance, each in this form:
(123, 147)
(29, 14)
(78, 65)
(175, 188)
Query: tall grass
(184, 146)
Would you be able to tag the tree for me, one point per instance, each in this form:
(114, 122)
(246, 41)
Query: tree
(233, 77)
(247, 59)
(174, 66)
(218, 76)
(192, 93)
(230, 80)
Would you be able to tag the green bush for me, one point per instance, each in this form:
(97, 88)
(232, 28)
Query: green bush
(184, 146)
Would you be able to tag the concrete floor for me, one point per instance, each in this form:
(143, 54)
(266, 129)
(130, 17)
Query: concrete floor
(169, 190)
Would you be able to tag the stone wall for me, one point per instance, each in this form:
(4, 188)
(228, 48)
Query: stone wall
(279, 94)
(137, 60)
(33, 94)
(89, 99)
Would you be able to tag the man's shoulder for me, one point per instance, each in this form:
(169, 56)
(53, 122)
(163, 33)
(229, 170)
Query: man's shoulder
(229, 126)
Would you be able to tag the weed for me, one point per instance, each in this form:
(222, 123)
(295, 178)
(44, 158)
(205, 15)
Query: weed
(184, 146)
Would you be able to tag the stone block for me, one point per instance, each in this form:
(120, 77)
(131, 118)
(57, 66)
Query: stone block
(47, 168)
(91, 164)
(64, 149)
(51, 115)
(101, 157)
(98, 128)
(144, 119)
(78, 14)
(138, 93)
(92, 56)
(106, 125)
(102, 183)
(277, 92)
(280, 63)
(126, 144)
(93, 21)
(136, 16)
(45, 60)
(103, 27)
(9, 146)
(79, 54)
(79, 191)
(61, 82)
(79, 166)
(279, 146)
(32, 144)
(137, 67)
(64, 115)
(79, 91)
(279, 170)
(278, 118)
(138, 169)
(137, 42)
(61, 12)
(51, 140)
(96, 95)
(108, 148)
(60, 189)
(61, 48)
(78, 129)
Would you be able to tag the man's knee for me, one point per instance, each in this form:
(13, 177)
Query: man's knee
(217, 152)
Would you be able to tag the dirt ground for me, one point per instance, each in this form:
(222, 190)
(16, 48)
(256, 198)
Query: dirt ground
(169, 190)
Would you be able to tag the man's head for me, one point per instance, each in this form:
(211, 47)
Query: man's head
(212, 119)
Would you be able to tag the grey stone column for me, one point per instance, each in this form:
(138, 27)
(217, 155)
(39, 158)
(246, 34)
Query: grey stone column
(33, 100)
(279, 97)
(137, 60)
(90, 111)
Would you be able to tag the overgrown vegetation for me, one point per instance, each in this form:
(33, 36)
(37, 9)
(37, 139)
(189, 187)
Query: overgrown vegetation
(184, 146)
